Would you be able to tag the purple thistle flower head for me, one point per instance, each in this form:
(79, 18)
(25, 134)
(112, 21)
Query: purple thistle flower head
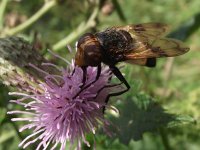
(64, 110)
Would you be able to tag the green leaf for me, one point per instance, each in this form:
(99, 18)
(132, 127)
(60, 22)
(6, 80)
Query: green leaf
(181, 120)
(141, 114)
(187, 28)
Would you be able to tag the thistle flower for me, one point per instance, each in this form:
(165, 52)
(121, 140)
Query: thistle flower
(64, 110)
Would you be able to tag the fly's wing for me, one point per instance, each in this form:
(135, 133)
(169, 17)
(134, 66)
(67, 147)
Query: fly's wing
(164, 47)
(151, 30)
(148, 42)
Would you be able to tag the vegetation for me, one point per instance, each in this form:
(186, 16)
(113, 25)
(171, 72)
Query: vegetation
(162, 109)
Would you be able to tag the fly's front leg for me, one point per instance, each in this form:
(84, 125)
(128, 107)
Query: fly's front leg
(98, 73)
(83, 86)
(83, 81)
(84, 76)
(96, 78)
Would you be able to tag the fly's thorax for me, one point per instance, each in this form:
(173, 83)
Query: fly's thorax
(88, 51)
(115, 44)
(115, 41)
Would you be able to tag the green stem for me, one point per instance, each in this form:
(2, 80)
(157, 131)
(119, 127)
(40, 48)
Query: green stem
(119, 10)
(47, 6)
(2, 10)
(78, 31)
(165, 139)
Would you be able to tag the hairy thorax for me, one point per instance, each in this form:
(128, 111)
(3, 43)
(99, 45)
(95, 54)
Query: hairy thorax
(115, 44)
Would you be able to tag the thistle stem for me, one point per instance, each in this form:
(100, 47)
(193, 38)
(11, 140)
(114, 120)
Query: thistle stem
(46, 7)
(84, 26)
(2, 10)
(165, 139)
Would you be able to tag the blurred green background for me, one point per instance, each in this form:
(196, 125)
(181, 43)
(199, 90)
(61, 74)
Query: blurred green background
(162, 109)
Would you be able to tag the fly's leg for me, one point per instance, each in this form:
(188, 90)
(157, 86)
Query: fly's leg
(119, 75)
(83, 86)
(97, 77)
(84, 76)
(98, 72)
(103, 88)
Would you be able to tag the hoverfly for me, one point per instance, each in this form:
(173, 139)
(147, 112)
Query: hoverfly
(138, 44)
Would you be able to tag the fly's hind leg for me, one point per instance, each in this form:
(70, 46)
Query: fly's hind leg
(119, 75)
